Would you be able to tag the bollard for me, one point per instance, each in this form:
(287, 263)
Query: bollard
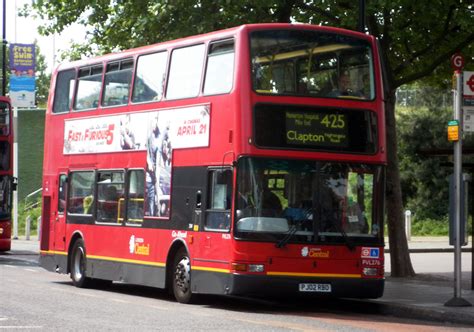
(408, 224)
(28, 227)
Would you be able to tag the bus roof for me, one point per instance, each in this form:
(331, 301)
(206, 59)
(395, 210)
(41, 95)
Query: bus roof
(204, 37)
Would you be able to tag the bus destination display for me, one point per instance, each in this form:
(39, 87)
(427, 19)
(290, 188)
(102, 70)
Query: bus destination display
(323, 129)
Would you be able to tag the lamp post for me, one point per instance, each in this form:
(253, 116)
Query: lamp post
(4, 50)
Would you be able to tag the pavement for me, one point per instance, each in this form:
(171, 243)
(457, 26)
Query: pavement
(424, 296)
(421, 297)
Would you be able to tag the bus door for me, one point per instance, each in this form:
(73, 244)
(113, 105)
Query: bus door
(60, 214)
(216, 216)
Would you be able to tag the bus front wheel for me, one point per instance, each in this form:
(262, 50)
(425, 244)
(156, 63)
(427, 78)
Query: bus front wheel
(182, 277)
(78, 265)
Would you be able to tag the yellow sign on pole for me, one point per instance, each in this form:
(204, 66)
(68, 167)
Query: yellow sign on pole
(453, 131)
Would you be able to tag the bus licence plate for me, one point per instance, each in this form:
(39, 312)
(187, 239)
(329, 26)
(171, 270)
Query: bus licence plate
(322, 288)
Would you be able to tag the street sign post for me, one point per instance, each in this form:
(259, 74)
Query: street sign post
(457, 61)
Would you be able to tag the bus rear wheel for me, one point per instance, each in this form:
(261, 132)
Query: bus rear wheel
(78, 265)
(181, 281)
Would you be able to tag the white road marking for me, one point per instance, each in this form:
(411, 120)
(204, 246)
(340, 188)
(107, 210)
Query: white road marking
(20, 327)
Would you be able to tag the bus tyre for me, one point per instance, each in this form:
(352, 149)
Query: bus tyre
(78, 265)
(182, 277)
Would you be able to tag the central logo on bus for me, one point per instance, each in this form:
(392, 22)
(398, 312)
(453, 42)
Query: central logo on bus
(314, 252)
(137, 246)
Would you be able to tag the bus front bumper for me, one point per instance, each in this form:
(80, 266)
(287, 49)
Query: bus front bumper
(278, 286)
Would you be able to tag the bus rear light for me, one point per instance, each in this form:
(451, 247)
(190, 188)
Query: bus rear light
(256, 268)
(370, 271)
(239, 267)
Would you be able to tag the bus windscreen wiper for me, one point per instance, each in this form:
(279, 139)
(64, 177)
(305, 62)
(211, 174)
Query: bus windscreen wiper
(287, 237)
(345, 237)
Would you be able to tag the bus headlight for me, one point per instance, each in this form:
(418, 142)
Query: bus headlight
(256, 268)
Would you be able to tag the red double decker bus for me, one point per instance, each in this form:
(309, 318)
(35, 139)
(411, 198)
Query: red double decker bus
(246, 161)
(6, 173)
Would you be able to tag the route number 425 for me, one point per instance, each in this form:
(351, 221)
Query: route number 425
(336, 121)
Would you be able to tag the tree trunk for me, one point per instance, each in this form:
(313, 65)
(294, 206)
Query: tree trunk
(399, 256)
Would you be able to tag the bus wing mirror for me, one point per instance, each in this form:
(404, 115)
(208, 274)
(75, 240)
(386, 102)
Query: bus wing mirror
(198, 199)
(14, 184)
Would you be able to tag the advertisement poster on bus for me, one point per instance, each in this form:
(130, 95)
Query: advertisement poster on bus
(185, 128)
(22, 75)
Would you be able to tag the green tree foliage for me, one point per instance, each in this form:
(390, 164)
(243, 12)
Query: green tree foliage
(416, 38)
(426, 155)
(424, 177)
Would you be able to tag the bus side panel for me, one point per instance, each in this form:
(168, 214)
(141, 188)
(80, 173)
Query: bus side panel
(208, 282)
(53, 262)
(125, 272)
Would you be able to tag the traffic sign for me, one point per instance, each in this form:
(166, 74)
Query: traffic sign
(468, 119)
(457, 61)
(468, 89)
(468, 86)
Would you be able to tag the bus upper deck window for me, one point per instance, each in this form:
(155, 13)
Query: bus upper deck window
(150, 77)
(185, 72)
(220, 68)
(311, 63)
(117, 80)
(88, 88)
(64, 91)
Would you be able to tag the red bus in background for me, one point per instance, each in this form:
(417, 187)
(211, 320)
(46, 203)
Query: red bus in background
(6, 173)
(248, 161)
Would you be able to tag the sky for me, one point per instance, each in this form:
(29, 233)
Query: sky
(23, 30)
